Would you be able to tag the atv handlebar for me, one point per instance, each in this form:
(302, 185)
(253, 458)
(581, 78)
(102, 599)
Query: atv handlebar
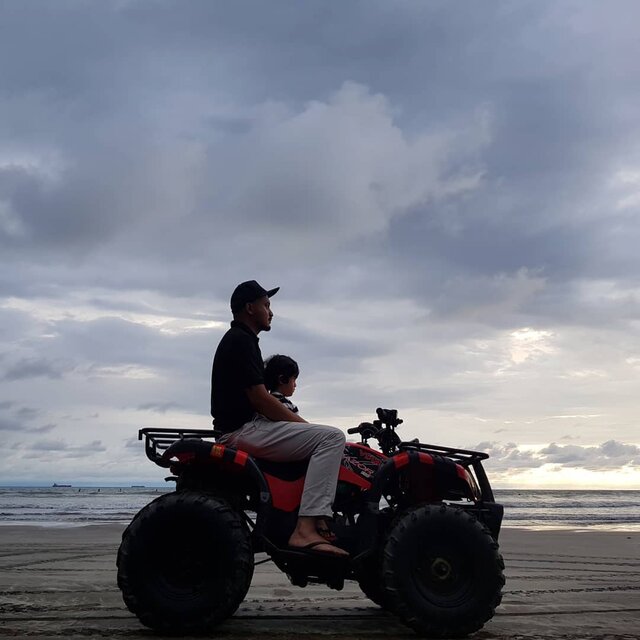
(362, 427)
(382, 429)
(388, 417)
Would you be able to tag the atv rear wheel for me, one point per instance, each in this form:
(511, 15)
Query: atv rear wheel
(185, 563)
(442, 571)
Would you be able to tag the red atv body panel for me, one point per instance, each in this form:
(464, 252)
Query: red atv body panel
(359, 464)
(285, 494)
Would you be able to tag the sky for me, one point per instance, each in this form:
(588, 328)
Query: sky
(447, 195)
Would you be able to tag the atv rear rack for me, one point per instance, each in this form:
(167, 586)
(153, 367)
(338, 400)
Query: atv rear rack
(157, 441)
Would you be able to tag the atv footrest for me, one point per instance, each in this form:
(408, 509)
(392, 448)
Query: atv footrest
(303, 567)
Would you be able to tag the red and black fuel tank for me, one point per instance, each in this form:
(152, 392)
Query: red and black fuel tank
(359, 464)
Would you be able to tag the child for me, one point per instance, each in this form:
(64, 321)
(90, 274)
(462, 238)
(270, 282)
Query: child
(280, 376)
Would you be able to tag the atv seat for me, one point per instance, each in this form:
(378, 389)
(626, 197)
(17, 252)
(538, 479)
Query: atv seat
(189, 446)
(283, 470)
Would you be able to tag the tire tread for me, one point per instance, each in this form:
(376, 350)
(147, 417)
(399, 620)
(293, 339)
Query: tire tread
(234, 590)
(422, 624)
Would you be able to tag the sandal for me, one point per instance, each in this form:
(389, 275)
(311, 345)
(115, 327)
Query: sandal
(310, 549)
(323, 529)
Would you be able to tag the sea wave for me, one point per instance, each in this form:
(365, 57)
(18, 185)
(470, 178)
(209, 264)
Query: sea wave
(53, 506)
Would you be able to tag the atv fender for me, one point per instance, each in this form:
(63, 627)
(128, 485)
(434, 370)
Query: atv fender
(193, 450)
(430, 479)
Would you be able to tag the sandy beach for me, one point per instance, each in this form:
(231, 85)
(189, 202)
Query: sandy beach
(61, 582)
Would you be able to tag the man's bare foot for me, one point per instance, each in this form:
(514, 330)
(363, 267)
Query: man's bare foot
(305, 534)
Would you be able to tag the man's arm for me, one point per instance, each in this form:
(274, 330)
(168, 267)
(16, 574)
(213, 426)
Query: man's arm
(264, 403)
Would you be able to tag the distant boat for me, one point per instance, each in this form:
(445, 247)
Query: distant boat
(55, 484)
(138, 486)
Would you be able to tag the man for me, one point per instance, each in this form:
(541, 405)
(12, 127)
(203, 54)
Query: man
(253, 420)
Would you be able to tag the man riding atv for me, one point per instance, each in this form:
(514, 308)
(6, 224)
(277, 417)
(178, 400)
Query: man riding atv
(252, 420)
(415, 525)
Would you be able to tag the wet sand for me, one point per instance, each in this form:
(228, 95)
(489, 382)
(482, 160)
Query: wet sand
(61, 582)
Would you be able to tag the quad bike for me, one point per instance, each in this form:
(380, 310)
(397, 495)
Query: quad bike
(419, 522)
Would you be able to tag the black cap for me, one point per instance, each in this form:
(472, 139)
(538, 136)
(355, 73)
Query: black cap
(249, 291)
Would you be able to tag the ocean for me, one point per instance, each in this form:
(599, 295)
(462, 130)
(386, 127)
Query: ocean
(77, 506)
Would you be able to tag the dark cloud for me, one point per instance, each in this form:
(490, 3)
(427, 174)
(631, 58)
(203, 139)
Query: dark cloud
(34, 368)
(537, 160)
(17, 419)
(49, 445)
(27, 413)
(8, 424)
(94, 445)
(45, 428)
(20, 428)
(132, 443)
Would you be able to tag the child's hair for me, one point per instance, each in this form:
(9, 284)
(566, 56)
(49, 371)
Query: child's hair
(279, 369)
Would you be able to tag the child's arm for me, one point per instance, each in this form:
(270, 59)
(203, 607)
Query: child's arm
(285, 401)
(269, 406)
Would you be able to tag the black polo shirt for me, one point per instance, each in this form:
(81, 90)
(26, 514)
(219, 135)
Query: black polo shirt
(237, 365)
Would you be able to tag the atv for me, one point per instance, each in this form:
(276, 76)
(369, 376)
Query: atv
(419, 522)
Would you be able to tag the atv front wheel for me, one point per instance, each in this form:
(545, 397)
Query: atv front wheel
(442, 571)
(185, 563)
(369, 577)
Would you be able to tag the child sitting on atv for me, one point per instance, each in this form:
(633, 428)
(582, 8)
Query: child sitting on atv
(280, 377)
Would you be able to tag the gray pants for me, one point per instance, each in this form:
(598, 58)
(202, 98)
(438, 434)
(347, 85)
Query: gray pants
(289, 441)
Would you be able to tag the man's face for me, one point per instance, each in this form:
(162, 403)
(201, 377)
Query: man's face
(260, 311)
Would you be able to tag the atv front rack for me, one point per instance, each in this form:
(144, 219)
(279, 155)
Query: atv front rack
(464, 457)
(157, 441)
